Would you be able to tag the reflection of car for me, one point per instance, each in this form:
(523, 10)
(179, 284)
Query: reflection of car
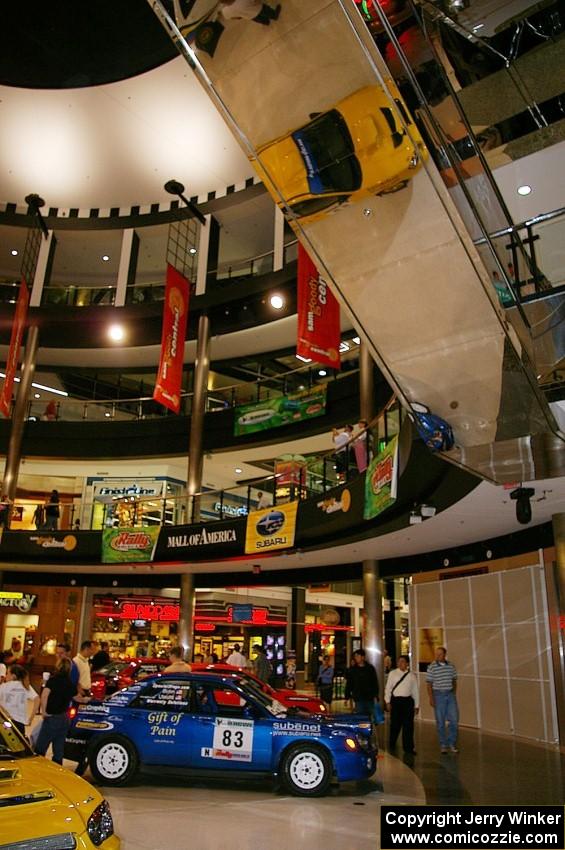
(44, 806)
(358, 148)
(211, 725)
(290, 699)
(119, 674)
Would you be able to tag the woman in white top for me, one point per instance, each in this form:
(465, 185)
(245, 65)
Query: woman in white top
(16, 694)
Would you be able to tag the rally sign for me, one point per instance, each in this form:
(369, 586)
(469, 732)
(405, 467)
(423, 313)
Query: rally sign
(381, 480)
(129, 545)
(14, 350)
(319, 332)
(285, 410)
(175, 313)
(271, 529)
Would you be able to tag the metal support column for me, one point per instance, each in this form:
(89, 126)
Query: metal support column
(186, 614)
(555, 584)
(200, 388)
(19, 414)
(366, 383)
(297, 640)
(373, 622)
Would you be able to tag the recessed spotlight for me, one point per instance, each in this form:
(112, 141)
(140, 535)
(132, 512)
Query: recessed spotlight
(277, 302)
(524, 190)
(478, 27)
(107, 415)
(36, 395)
(238, 470)
(14, 252)
(357, 340)
(343, 347)
(192, 250)
(304, 359)
(116, 332)
(301, 387)
(105, 258)
(322, 373)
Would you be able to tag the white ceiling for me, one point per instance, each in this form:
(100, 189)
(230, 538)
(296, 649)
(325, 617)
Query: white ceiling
(116, 144)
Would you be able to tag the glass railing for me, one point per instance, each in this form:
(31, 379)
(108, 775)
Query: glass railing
(75, 295)
(312, 476)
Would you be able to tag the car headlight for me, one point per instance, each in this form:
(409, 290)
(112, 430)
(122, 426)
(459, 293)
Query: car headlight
(100, 825)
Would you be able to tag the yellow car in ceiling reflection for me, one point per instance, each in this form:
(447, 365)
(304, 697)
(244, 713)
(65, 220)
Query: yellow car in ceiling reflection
(47, 806)
(358, 148)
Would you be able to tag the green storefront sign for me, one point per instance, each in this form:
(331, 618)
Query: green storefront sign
(380, 480)
(129, 545)
(275, 412)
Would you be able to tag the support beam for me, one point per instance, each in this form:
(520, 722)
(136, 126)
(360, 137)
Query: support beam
(186, 614)
(366, 383)
(278, 241)
(373, 626)
(43, 268)
(128, 265)
(297, 639)
(555, 584)
(200, 389)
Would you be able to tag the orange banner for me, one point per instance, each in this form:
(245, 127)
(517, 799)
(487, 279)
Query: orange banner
(18, 326)
(319, 333)
(175, 314)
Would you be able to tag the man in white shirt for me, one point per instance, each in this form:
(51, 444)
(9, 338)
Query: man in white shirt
(236, 659)
(80, 672)
(263, 501)
(402, 699)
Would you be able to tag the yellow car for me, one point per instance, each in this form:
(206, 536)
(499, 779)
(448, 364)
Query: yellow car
(357, 149)
(46, 806)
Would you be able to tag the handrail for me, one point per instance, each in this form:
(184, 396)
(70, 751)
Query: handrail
(530, 222)
(249, 260)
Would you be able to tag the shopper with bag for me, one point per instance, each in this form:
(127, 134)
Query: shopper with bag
(402, 699)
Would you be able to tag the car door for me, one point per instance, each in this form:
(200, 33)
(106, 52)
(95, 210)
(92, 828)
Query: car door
(159, 721)
(230, 730)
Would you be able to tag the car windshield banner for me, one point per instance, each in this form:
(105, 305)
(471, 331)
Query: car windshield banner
(175, 314)
(271, 529)
(51, 546)
(203, 540)
(381, 480)
(335, 512)
(18, 326)
(129, 545)
(319, 332)
(276, 412)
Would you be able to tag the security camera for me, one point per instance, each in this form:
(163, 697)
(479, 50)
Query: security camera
(522, 496)
(427, 510)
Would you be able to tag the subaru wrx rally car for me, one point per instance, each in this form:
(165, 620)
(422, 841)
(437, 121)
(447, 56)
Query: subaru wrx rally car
(217, 726)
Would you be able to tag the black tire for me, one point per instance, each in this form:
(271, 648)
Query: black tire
(113, 760)
(306, 770)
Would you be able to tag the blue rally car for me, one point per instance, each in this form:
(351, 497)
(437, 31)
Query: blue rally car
(217, 726)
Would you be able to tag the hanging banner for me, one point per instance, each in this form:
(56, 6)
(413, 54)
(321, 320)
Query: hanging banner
(18, 326)
(271, 529)
(319, 332)
(175, 314)
(129, 545)
(275, 412)
(381, 480)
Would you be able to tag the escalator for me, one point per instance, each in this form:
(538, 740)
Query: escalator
(312, 102)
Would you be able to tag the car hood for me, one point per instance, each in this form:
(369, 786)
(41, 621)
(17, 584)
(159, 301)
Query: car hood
(39, 798)
(283, 162)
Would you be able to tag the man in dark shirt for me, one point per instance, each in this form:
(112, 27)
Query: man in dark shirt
(362, 685)
(100, 658)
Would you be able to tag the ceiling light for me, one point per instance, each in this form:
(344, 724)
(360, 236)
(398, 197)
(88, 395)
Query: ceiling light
(322, 373)
(116, 332)
(105, 258)
(301, 387)
(36, 395)
(192, 250)
(343, 346)
(277, 302)
(304, 359)
(238, 470)
(478, 27)
(357, 340)
(14, 252)
(524, 190)
(39, 386)
(107, 414)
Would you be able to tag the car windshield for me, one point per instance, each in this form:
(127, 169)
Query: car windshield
(112, 668)
(329, 155)
(273, 706)
(12, 745)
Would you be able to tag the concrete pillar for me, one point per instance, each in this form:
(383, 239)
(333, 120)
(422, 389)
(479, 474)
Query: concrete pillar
(298, 637)
(366, 383)
(128, 265)
(278, 241)
(555, 583)
(186, 614)
(200, 389)
(43, 268)
(373, 626)
(14, 453)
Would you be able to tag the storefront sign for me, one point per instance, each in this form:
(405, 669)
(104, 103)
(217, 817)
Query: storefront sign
(221, 539)
(129, 545)
(271, 529)
(120, 489)
(15, 600)
(175, 313)
(51, 546)
(18, 326)
(276, 412)
(248, 614)
(230, 510)
(152, 609)
(337, 511)
(319, 333)
(381, 480)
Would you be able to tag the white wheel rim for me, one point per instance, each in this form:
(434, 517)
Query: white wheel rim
(307, 770)
(112, 761)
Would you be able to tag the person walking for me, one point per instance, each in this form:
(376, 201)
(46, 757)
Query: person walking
(52, 511)
(441, 680)
(236, 658)
(177, 664)
(56, 697)
(362, 688)
(16, 694)
(326, 681)
(262, 667)
(402, 699)
(263, 501)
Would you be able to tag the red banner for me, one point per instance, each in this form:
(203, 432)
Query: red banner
(18, 326)
(175, 314)
(319, 332)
